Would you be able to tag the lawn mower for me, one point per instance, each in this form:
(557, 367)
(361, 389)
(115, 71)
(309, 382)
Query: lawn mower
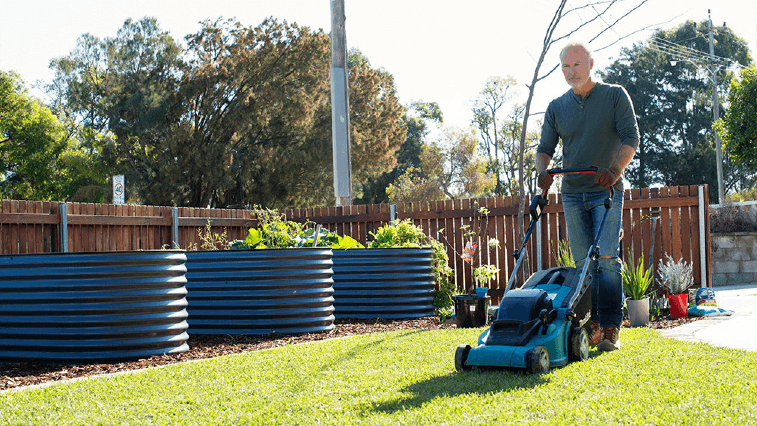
(543, 324)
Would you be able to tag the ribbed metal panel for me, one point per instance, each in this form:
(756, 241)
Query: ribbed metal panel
(383, 283)
(68, 307)
(259, 292)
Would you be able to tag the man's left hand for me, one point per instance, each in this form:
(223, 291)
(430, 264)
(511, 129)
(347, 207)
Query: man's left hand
(606, 177)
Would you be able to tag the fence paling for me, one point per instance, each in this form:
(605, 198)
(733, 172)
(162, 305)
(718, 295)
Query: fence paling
(33, 227)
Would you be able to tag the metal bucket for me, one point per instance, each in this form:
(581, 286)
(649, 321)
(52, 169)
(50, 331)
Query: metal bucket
(68, 307)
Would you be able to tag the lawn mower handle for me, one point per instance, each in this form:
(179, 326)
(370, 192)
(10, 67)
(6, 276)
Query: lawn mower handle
(574, 171)
(537, 205)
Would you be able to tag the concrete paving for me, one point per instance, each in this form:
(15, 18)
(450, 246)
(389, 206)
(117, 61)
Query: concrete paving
(738, 331)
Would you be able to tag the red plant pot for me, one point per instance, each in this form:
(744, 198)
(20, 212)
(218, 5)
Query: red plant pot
(679, 305)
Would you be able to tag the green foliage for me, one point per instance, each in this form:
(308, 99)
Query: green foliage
(242, 116)
(40, 159)
(404, 233)
(674, 108)
(406, 377)
(274, 231)
(636, 279)
(676, 276)
(210, 240)
(451, 168)
(746, 195)
(484, 274)
(738, 127)
(563, 256)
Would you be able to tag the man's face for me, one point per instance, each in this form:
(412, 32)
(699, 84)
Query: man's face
(576, 67)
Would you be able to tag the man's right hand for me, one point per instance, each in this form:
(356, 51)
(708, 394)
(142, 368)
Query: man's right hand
(545, 180)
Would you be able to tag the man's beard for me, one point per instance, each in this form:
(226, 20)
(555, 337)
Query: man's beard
(577, 83)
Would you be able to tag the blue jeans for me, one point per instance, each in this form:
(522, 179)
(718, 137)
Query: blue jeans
(583, 216)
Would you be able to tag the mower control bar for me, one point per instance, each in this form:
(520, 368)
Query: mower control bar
(537, 205)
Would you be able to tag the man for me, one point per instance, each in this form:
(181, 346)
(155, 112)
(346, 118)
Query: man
(597, 125)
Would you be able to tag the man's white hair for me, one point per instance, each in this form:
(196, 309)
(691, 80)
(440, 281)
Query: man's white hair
(572, 44)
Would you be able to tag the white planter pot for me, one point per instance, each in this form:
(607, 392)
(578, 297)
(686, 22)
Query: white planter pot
(638, 312)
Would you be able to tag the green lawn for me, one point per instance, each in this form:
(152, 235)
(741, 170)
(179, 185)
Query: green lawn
(407, 377)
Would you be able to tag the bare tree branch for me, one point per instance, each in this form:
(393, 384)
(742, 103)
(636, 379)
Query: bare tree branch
(617, 20)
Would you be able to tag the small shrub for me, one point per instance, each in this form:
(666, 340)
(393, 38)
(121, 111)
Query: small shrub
(676, 276)
(730, 218)
(210, 240)
(404, 233)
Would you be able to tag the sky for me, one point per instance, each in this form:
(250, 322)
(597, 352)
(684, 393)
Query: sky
(437, 50)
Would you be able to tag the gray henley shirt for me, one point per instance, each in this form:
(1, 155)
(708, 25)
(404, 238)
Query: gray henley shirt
(592, 131)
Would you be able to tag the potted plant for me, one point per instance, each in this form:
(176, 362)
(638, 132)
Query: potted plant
(636, 282)
(471, 308)
(677, 277)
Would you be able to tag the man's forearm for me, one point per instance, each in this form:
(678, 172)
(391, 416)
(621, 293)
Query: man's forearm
(542, 162)
(624, 157)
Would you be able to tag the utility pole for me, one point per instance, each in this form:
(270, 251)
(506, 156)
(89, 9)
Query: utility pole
(716, 112)
(340, 109)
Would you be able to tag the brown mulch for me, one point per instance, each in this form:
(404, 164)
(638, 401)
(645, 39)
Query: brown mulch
(21, 374)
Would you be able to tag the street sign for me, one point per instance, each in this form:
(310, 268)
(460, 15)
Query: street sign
(118, 189)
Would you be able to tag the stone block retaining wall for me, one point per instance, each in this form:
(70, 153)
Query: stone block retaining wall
(734, 258)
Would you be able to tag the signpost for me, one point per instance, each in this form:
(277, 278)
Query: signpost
(118, 189)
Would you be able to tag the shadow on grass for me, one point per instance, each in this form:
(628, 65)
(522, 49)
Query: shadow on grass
(476, 381)
(459, 383)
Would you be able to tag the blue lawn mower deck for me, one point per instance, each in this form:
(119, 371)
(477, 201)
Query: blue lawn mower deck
(543, 324)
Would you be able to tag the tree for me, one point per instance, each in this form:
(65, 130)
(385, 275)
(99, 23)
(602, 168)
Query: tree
(374, 190)
(673, 105)
(488, 118)
(500, 135)
(738, 127)
(241, 117)
(124, 86)
(39, 157)
(451, 168)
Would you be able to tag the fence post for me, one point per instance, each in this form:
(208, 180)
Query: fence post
(702, 242)
(392, 213)
(175, 228)
(63, 228)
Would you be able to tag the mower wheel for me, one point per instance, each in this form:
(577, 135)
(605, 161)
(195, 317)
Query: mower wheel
(578, 344)
(461, 355)
(538, 360)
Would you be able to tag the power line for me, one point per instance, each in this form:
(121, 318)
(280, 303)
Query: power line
(684, 53)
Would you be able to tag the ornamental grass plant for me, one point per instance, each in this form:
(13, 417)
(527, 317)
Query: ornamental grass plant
(636, 278)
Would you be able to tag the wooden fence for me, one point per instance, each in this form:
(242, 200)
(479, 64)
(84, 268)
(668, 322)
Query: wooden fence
(679, 217)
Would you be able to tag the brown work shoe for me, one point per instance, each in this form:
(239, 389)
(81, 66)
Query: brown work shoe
(610, 339)
(595, 334)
